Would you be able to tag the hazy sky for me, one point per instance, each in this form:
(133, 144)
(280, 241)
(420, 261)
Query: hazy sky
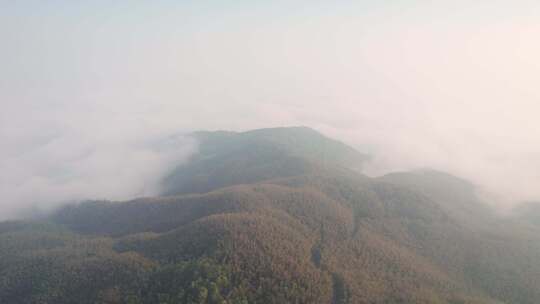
(85, 86)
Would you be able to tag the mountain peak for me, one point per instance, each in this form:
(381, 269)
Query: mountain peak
(226, 158)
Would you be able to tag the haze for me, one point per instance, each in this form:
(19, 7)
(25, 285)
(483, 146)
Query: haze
(88, 89)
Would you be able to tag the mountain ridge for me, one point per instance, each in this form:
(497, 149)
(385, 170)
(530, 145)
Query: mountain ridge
(276, 216)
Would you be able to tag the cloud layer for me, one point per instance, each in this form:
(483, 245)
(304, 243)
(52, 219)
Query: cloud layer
(54, 166)
(85, 88)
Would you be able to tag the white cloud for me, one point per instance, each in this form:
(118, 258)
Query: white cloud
(417, 84)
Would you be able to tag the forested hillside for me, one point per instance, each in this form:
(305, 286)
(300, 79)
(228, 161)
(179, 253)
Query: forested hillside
(276, 216)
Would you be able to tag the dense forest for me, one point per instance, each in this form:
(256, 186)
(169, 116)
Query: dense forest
(278, 216)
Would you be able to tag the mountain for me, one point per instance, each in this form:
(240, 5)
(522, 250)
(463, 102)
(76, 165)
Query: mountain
(455, 195)
(528, 212)
(276, 216)
(230, 158)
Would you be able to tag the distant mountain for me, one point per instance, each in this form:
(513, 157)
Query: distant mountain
(230, 158)
(276, 216)
(528, 212)
(455, 195)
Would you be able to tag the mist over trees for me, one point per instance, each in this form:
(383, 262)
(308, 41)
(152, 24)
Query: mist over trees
(276, 216)
(146, 153)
